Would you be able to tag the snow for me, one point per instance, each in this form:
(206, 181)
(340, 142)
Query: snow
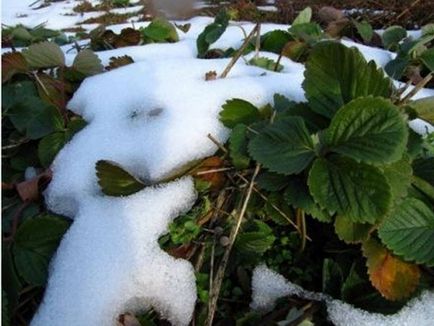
(57, 15)
(268, 286)
(109, 262)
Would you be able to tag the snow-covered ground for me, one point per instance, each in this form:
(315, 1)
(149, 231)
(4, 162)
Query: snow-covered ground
(151, 117)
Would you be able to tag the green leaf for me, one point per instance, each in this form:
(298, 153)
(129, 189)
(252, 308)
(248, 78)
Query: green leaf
(331, 278)
(335, 75)
(395, 68)
(368, 129)
(15, 93)
(424, 108)
(351, 232)
(274, 41)
(399, 177)
(44, 55)
(115, 181)
(428, 29)
(365, 30)
(257, 241)
(237, 111)
(275, 200)
(427, 57)
(392, 36)
(212, 33)
(353, 286)
(265, 63)
(238, 147)
(308, 32)
(297, 194)
(270, 181)
(35, 242)
(424, 169)
(160, 30)
(49, 146)
(303, 16)
(35, 118)
(284, 147)
(87, 63)
(356, 191)
(409, 231)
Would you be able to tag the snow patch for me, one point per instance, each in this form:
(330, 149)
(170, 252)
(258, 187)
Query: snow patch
(268, 286)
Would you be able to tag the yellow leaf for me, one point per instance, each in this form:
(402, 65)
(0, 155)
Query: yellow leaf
(394, 278)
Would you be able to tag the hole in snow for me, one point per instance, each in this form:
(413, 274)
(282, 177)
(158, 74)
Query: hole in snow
(140, 114)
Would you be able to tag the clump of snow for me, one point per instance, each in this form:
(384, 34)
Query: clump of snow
(109, 262)
(268, 286)
(419, 311)
(117, 105)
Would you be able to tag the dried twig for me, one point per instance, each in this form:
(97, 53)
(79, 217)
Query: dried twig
(239, 52)
(215, 290)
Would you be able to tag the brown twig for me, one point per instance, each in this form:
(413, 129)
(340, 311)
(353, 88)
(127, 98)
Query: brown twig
(239, 52)
(417, 88)
(217, 283)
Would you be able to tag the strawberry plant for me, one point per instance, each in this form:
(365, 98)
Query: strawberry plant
(343, 158)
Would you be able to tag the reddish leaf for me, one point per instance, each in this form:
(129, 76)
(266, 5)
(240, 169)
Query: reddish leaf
(13, 63)
(29, 190)
(206, 172)
(391, 276)
(116, 62)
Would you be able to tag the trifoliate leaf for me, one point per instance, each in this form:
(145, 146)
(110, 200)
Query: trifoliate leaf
(335, 75)
(238, 147)
(115, 181)
(44, 55)
(392, 36)
(352, 232)
(34, 244)
(237, 111)
(392, 277)
(356, 191)
(303, 16)
(257, 241)
(87, 63)
(368, 129)
(409, 230)
(283, 147)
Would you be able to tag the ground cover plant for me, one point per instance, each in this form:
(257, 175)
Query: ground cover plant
(335, 193)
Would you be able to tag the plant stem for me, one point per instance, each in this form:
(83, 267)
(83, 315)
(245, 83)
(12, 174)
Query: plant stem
(239, 52)
(215, 290)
